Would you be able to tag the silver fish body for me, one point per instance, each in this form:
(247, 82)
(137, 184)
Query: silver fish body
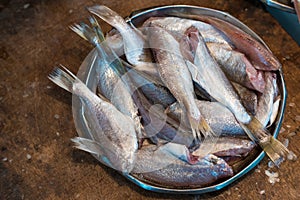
(225, 146)
(110, 72)
(220, 119)
(174, 72)
(248, 97)
(237, 67)
(208, 74)
(261, 57)
(266, 100)
(174, 172)
(112, 86)
(112, 130)
(135, 46)
(177, 26)
(155, 93)
(115, 41)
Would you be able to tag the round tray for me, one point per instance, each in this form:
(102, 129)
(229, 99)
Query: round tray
(86, 73)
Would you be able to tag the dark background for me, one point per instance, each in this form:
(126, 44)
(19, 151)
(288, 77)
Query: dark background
(37, 160)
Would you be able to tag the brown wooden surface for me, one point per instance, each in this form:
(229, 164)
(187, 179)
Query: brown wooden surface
(37, 158)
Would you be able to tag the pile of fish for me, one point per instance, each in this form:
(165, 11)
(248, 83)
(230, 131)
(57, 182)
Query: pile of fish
(179, 99)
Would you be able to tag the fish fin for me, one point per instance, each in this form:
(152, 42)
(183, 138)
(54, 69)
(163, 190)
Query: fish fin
(68, 81)
(64, 79)
(87, 145)
(200, 128)
(144, 71)
(108, 15)
(97, 28)
(95, 36)
(179, 151)
(76, 28)
(205, 129)
(86, 32)
(273, 148)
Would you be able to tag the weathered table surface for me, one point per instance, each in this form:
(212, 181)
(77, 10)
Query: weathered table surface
(37, 158)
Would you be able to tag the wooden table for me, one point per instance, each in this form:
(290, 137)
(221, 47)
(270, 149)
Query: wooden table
(37, 158)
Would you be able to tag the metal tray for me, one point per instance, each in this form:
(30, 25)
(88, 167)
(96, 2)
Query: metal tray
(87, 73)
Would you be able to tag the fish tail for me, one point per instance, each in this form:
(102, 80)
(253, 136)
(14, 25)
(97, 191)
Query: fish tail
(206, 129)
(273, 148)
(64, 79)
(109, 16)
(87, 145)
(95, 36)
(200, 128)
(86, 32)
(68, 81)
(97, 28)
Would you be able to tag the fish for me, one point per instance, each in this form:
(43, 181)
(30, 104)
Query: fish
(178, 26)
(207, 73)
(266, 100)
(219, 118)
(155, 93)
(113, 132)
(275, 110)
(115, 41)
(136, 48)
(126, 96)
(156, 126)
(261, 57)
(161, 168)
(248, 97)
(237, 67)
(110, 71)
(226, 147)
(221, 147)
(176, 77)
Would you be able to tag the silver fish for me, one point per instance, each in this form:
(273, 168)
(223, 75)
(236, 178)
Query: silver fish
(114, 133)
(156, 126)
(176, 77)
(109, 72)
(219, 118)
(135, 46)
(275, 111)
(115, 41)
(261, 57)
(248, 97)
(177, 26)
(206, 72)
(237, 67)
(226, 146)
(266, 99)
(176, 173)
